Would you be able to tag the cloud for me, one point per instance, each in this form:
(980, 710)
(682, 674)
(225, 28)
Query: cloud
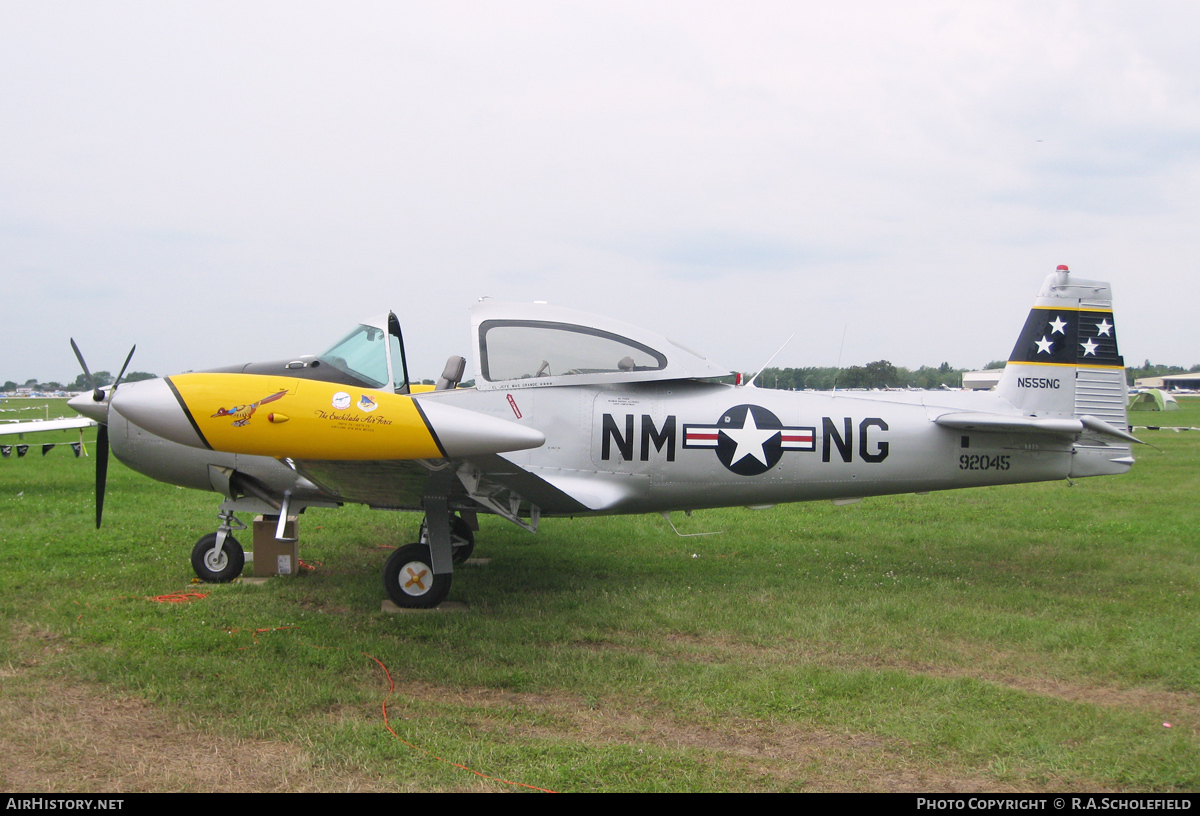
(243, 180)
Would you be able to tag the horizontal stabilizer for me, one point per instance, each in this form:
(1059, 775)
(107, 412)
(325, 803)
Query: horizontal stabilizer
(1097, 425)
(1005, 423)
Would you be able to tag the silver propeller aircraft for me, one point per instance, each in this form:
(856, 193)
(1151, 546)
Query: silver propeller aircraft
(575, 414)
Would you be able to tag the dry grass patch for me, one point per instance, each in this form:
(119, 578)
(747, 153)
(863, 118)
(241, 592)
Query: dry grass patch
(72, 737)
(970, 662)
(784, 754)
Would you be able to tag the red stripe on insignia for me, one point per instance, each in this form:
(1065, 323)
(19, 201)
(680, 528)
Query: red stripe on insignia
(701, 438)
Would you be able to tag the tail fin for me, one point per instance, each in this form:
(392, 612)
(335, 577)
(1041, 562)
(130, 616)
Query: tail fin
(1066, 362)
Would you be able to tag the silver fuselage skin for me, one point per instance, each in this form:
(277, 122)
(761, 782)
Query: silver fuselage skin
(632, 449)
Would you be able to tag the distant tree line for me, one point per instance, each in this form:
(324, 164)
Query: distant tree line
(879, 374)
(101, 378)
(1148, 369)
(882, 374)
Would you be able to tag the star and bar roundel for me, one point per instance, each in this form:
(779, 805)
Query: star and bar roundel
(749, 439)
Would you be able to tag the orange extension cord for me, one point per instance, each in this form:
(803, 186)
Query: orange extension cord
(178, 597)
(187, 597)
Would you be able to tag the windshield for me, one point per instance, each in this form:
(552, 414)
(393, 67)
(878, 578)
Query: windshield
(362, 353)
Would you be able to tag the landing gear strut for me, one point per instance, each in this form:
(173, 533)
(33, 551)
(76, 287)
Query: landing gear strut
(462, 538)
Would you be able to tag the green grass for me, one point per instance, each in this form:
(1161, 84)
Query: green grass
(1025, 637)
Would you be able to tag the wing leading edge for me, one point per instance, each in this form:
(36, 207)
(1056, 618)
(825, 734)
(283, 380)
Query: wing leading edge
(35, 426)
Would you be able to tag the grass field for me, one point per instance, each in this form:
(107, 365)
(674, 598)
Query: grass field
(1035, 637)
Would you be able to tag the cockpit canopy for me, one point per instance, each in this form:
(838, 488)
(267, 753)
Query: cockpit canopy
(532, 345)
(374, 353)
(362, 358)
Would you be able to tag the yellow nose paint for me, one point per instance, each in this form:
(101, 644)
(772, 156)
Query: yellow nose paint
(241, 413)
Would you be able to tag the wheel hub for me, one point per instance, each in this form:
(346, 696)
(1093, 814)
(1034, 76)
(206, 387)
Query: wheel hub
(415, 578)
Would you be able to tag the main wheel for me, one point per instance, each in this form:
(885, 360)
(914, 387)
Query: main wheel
(462, 538)
(409, 580)
(220, 567)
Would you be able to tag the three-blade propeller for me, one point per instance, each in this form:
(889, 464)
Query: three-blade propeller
(98, 396)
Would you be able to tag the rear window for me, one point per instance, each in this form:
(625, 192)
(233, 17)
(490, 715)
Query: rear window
(527, 349)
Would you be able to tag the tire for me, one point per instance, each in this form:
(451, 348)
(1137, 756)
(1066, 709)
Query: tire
(462, 538)
(409, 581)
(222, 568)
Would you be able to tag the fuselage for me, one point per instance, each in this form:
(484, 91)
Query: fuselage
(693, 444)
(671, 445)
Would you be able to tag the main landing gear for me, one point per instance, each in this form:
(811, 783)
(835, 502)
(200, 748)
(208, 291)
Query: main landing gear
(418, 576)
(410, 580)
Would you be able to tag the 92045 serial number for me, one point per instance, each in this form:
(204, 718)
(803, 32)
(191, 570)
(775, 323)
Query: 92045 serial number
(977, 461)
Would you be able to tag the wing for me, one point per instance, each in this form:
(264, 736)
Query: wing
(37, 425)
(490, 481)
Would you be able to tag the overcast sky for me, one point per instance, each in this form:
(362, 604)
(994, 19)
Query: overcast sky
(225, 182)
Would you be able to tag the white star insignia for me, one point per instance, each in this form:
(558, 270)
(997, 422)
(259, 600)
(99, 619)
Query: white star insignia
(750, 439)
(1089, 347)
(1043, 345)
(1103, 327)
(1057, 325)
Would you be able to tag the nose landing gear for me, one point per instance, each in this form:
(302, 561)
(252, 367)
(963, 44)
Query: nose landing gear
(218, 558)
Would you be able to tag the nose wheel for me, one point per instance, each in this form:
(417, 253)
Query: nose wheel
(218, 558)
(218, 563)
